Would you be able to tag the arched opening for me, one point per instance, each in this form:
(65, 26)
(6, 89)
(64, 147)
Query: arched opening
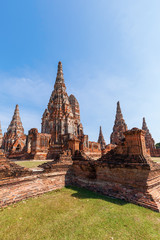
(18, 148)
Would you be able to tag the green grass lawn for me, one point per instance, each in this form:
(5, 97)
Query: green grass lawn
(77, 214)
(156, 159)
(30, 164)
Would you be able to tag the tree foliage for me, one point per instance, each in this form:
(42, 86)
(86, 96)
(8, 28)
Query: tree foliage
(158, 145)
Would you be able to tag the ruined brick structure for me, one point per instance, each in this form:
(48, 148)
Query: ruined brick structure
(126, 172)
(108, 148)
(18, 183)
(37, 144)
(119, 127)
(1, 136)
(10, 169)
(61, 129)
(93, 150)
(14, 139)
(101, 139)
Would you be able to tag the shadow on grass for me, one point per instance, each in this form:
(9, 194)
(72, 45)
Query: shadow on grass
(82, 193)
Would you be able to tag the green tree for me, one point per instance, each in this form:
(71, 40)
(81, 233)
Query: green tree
(158, 145)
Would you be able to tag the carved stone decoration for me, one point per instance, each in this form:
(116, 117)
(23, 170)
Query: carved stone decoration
(119, 127)
(101, 139)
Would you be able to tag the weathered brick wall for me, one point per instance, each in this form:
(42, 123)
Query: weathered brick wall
(131, 182)
(126, 172)
(17, 189)
(18, 183)
(155, 152)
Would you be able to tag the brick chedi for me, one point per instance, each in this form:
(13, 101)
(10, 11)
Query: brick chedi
(61, 119)
(119, 127)
(14, 138)
(1, 136)
(61, 128)
(150, 144)
(62, 115)
(101, 139)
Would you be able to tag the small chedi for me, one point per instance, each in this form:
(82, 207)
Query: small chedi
(101, 140)
(119, 127)
(14, 140)
(150, 144)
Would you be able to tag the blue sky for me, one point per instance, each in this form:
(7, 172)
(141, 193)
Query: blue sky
(110, 51)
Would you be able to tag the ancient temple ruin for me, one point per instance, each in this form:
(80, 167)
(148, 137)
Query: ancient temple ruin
(119, 127)
(61, 128)
(122, 169)
(126, 172)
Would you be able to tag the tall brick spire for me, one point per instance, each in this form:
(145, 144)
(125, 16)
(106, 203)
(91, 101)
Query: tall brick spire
(15, 127)
(119, 127)
(62, 115)
(148, 137)
(59, 83)
(101, 139)
(1, 136)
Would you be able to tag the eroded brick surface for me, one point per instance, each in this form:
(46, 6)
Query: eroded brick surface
(9, 169)
(17, 183)
(126, 172)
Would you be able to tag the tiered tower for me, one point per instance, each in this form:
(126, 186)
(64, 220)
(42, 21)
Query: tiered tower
(119, 127)
(150, 144)
(62, 116)
(1, 136)
(14, 132)
(15, 128)
(101, 139)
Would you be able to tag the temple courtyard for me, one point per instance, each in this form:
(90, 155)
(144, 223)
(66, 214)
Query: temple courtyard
(74, 213)
(36, 163)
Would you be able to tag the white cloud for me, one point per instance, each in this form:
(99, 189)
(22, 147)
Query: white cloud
(32, 94)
